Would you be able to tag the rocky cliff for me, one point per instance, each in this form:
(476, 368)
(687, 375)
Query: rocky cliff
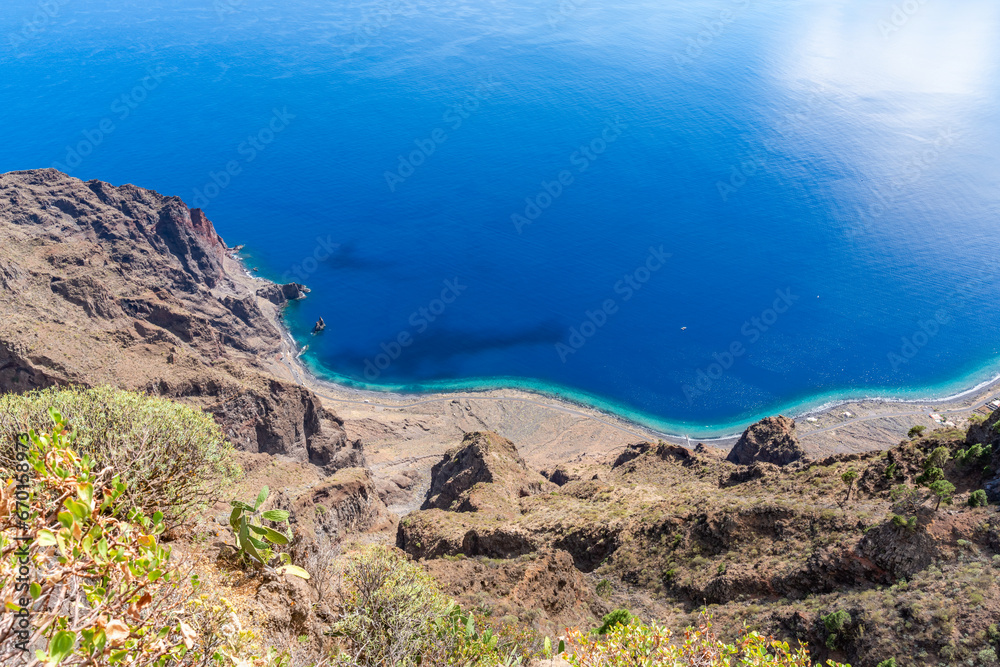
(771, 440)
(124, 286)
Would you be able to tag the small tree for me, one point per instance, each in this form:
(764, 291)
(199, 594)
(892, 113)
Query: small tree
(916, 432)
(943, 490)
(978, 499)
(934, 467)
(849, 478)
(937, 458)
(930, 476)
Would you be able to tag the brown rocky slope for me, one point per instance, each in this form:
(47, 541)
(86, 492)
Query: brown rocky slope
(123, 286)
(664, 531)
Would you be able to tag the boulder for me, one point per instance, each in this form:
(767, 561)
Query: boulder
(771, 440)
(484, 472)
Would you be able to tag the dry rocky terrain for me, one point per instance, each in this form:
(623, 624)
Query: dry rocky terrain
(541, 513)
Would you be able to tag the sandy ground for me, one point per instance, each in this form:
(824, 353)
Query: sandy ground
(411, 431)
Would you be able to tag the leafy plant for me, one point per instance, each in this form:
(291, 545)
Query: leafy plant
(616, 617)
(848, 478)
(902, 522)
(171, 458)
(103, 589)
(937, 458)
(635, 644)
(943, 490)
(916, 431)
(978, 499)
(930, 476)
(973, 455)
(465, 639)
(835, 624)
(389, 609)
(254, 539)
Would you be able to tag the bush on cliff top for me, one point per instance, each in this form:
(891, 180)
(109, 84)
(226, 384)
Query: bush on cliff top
(94, 585)
(165, 453)
(86, 581)
(392, 613)
(636, 644)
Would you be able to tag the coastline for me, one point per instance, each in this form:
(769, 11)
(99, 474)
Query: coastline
(876, 422)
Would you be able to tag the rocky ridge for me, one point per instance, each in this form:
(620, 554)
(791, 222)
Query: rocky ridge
(124, 286)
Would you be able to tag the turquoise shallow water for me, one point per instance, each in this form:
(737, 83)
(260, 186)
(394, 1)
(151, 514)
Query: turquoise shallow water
(691, 213)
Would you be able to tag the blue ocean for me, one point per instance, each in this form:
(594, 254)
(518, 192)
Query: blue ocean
(689, 213)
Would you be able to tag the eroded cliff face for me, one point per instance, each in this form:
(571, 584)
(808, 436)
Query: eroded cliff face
(120, 285)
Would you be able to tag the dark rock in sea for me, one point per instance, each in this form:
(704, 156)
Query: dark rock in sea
(320, 326)
(771, 440)
(282, 294)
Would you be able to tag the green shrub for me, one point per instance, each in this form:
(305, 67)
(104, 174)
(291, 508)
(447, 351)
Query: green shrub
(973, 455)
(978, 499)
(930, 476)
(604, 588)
(835, 624)
(916, 431)
(891, 662)
(392, 613)
(943, 490)
(102, 589)
(937, 458)
(171, 458)
(389, 609)
(617, 617)
(902, 522)
(635, 644)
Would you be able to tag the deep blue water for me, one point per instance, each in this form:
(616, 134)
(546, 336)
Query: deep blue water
(826, 159)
